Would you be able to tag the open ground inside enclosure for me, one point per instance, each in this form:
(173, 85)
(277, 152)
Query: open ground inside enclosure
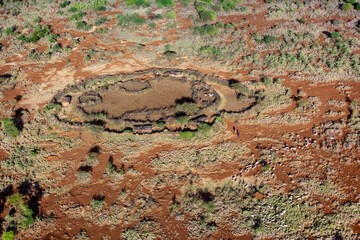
(163, 93)
(189, 119)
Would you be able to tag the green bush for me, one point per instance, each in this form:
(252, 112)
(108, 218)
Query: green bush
(96, 203)
(204, 128)
(270, 39)
(166, 3)
(183, 120)
(15, 199)
(80, 25)
(37, 20)
(210, 50)
(350, 1)
(219, 25)
(206, 30)
(161, 124)
(53, 38)
(201, 7)
(101, 21)
(208, 15)
(267, 81)
(28, 214)
(8, 235)
(64, 4)
(188, 108)
(144, 3)
(9, 127)
(87, 58)
(170, 14)
(209, 30)
(77, 16)
(10, 31)
(347, 7)
(72, 9)
(138, 20)
(301, 20)
(229, 5)
(126, 20)
(100, 8)
(39, 32)
(186, 135)
(267, 39)
(102, 30)
(335, 35)
(55, 47)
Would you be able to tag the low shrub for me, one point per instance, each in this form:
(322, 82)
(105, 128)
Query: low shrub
(53, 38)
(77, 16)
(188, 108)
(166, 3)
(208, 15)
(127, 20)
(96, 203)
(186, 135)
(206, 30)
(9, 127)
(8, 235)
(347, 7)
(15, 199)
(101, 21)
(10, 31)
(64, 4)
(144, 3)
(170, 14)
(210, 50)
(100, 8)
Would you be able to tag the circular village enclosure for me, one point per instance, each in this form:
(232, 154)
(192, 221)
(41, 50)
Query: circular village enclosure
(158, 99)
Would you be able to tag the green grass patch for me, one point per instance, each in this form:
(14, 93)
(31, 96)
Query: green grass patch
(188, 108)
(170, 14)
(186, 135)
(9, 126)
(96, 203)
(144, 3)
(101, 21)
(347, 7)
(207, 15)
(100, 8)
(77, 16)
(165, 3)
(183, 119)
(64, 4)
(129, 19)
(53, 38)
(210, 50)
(8, 235)
(15, 199)
(10, 31)
(267, 39)
(206, 30)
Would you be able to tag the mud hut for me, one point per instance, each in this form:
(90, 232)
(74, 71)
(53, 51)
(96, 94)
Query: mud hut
(142, 129)
(65, 101)
(176, 74)
(201, 119)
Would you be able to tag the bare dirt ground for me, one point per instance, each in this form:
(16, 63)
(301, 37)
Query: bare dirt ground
(285, 168)
(162, 94)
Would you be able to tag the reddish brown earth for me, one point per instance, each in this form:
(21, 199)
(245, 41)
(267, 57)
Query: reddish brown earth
(54, 74)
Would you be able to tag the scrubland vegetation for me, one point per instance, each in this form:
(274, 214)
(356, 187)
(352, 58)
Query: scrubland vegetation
(253, 132)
